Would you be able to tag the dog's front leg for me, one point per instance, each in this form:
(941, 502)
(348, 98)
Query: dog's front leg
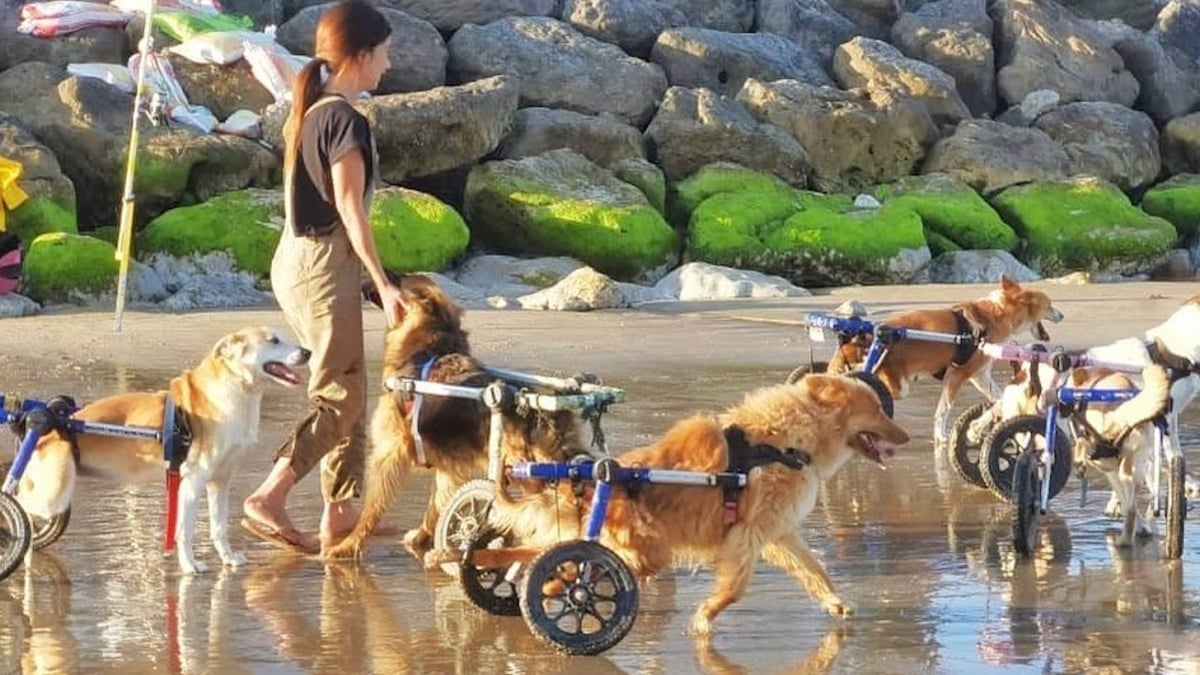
(218, 523)
(185, 528)
(419, 541)
(734, 567)
(791, 554)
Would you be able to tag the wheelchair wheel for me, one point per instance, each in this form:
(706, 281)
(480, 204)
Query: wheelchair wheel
(15, 535)
(1010, 439)
(885, 396)
(462, 518)
(1027, 492)
(1176, 507)
(966, 456)
(487, 588)
(580, 598)
(799, 372)
(46, 532)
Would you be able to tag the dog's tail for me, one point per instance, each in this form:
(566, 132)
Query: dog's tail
(1145, 406)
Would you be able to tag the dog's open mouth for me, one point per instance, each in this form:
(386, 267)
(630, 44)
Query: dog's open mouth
(1041, 332)
(874, 447)
(281, 373)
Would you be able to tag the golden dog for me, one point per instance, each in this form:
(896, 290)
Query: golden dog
(454, 431)
(831, 418)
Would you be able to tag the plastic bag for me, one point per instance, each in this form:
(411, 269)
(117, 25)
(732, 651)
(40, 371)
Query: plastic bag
(184, 25)
(220, 47)
(60, 8)
(275, 69)
(194, 6)
(112, 73)
(69, 23)
(160, 78)
(244, 123)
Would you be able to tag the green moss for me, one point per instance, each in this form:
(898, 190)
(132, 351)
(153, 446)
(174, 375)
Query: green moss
(939, 244)
(39, 215)
(952, 210)
(416, 232)
(1083, 224)
(646, 177)
(109, 233)
(157, 176)
(245, 223)
(1178, 201)
(723, 177)
(729, 226)
(63, 267)
(862, 235)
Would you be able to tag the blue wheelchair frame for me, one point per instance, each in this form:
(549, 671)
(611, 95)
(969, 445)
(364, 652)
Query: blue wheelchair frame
(884, 336)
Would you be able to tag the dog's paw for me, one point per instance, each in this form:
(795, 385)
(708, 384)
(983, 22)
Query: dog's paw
(837, 608)
(1113, 508)
(700, 626)
(234, 559)
(418, 542)
(192, 566)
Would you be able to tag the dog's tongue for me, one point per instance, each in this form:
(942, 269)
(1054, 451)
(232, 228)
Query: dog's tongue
(880, 449)
(281, 371)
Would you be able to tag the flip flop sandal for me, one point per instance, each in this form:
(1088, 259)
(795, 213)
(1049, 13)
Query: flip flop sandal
(279, 537)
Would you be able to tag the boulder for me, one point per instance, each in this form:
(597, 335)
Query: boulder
(646, 177)
(416, 232)
(812, 23)
(1106, 140)
(725, 177)
(506, 276)
(954, 216)
(13, 305)
(632, 25)
(64, 267)
(873, 17)
(1084, 224)
(222, 89)
(990, 156)
(1178, 24)
(1034, 105)
(417, 52)
(1181, 144)
(978, 267)
(1168, 78)
(732, 16)
(874, 64)
(50, 206)
(702, 281)
(205, 280)
(85, 123)
(1078, 63)
(99, 44)
(954, 36)
(561, 204)
(1139, 14)
(696, 127)
(854, 139)
(245, 224)
(450, 15)
(583, 290)
(722, 62)
(556, 66)
(602, 139)
(1176, 200)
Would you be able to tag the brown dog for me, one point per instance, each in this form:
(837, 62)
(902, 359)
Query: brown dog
(831, 418)
(453, 431)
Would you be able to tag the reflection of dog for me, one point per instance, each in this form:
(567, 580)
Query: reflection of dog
(827, 418)
(1007, 311)
(430, 343)
(218, 402)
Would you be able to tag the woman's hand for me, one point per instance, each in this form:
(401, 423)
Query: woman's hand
(392, 301)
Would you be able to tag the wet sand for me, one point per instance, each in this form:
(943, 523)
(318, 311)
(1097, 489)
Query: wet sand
(923, 557)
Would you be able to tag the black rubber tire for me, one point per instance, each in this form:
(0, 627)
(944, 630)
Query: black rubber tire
(966, 455)
(15, 535)
(997, 457)
(799, 372)
(46, 532)
(591, 571)
(462, 518)
(885, 396)
(1176, 507)
(486, 588)
(1027, 492)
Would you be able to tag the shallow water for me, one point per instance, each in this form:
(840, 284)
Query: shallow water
(923, 558)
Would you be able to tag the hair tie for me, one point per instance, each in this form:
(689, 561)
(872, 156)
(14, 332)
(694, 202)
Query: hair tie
(324, 73)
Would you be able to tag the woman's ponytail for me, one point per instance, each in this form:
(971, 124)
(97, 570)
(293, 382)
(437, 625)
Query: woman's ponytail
(305, 91)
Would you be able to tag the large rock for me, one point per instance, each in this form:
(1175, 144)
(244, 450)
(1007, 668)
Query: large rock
(1139, 14)
(50, 206)
(1177, 200)
(222, 89)
(85, 122)
(632, 25)
(1169, 79)
(508, 276)
(428, 132)
(100, 44)
(1077, 63)
(722, 62)
(696, 127)
(603, 140)
(1107, 141)
(561, 204)
(583, 290)
(450, 15)
(556, 66)
(990, 156)
(1084, 224)
(873, 17)
(955, 36)
(417, 52)
(703, 281)
(954, 216)
(63, 267)
(733, 16)
(1178, 25)
(978, 267)
(874, 64)
(855, 139)
(1181, 144)
(812, 23)
(416, 232)
(727, 178)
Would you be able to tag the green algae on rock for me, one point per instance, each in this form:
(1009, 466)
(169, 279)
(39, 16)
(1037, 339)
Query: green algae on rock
(39, 215)
(65, 267)
(416, 232)
(1177, 200)
(954, 215)
(244, 223)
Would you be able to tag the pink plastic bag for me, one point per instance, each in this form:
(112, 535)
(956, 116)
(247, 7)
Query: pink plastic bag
(69, 23)
(59, 8)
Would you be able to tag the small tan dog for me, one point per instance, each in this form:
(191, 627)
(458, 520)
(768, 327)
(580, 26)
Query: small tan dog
(219, 402)
(831, 418)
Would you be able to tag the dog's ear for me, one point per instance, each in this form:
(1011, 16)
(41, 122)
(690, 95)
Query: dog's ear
(1007, 284)
(230, 347)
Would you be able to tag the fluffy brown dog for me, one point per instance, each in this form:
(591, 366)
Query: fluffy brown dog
(454, 430)
(832, 418)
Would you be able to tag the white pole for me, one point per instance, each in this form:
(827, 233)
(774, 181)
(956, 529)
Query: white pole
(125, 233)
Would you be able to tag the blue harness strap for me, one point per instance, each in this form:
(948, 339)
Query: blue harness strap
(176, 436)
(415, 423)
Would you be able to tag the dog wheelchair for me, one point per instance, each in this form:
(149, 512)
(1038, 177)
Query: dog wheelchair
(1026, 460)
(31, 419)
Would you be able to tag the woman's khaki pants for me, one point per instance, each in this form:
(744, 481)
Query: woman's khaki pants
(317, 282)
